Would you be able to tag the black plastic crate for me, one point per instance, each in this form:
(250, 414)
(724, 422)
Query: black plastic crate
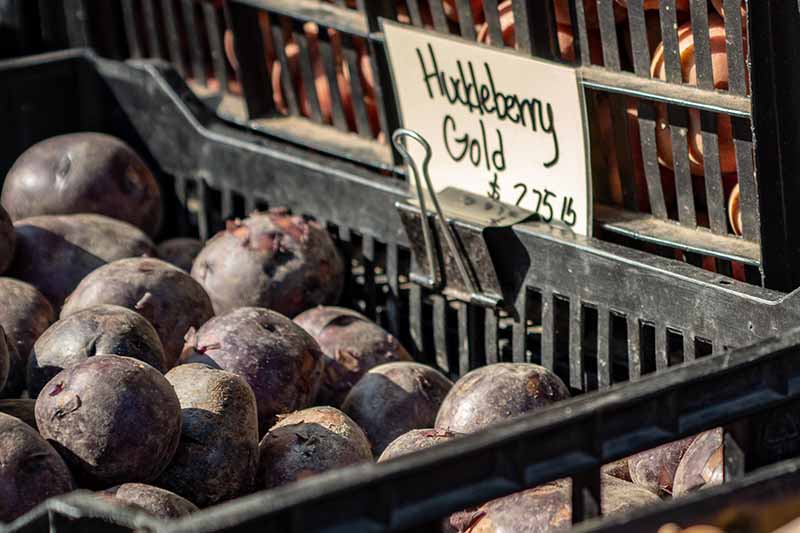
(597, 313)
(681, 212)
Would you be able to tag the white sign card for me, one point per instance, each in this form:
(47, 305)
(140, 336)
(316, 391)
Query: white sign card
(499, 123)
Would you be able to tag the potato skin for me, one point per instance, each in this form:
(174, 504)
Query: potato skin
(54, 253)
(180, 252)
(498, 392)
(8, 239)
(83, 173)
(655, 469)
(104, 329)
(113, 419)
(394, 398)
(309, 442)
(702, 464)
(30, 469)
(158, 502)
(278, 359)
(416, 440)
(165, 295)
(217, 457)
(547, 507)
(271, 259)
(352, 344)
(24, 314)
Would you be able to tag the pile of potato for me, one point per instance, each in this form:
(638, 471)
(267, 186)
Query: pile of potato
(172, 387)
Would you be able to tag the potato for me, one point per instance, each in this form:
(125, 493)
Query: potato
(156, 501)
(493, 393)
(351, 344)
(83, 173)
(414, 441)
(54, 253)
(547, 507)
(276, 357)
(309, 442)
(113, 419)
(165, 295)
(22, 408)
(654, 469)
(24, 315)
(8, 239)
(30, 469)
(103, 329)
(701, 465)
(274, 260)
(217, 457)
(180, 252)
(394, 398)
(5, 359)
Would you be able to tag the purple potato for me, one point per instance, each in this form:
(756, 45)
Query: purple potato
(22, 408)
(394, 398)
(701, 465)
(309, 442)
(274, 260)
(54, 253)
(165, 295)
(83, 173)
(547, 508)
(498, 392)
(104, 329)
(217, 457)
(113, 419)
(5, 358)
(278, 359)
(8, 239)
(351, 344)
(416, 440)
(618, 469)
(24, 314)
(156, 501)
(180, 252)
(30, 469)
(654, 469)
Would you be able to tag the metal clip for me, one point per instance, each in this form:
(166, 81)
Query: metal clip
(452, 248)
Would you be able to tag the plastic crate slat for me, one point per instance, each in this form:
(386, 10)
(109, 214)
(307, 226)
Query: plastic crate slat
(492, 17)
(608, 34)
(689, 346)
(734, 44)
(415, 320)
(135, 45)
(634, 348)
(637, 23)
(466, 337)
(368, 257)
(325, 14)
(599, 78)
(702, 45)
(715, 195)
(216, 33)
(749, 203)
(578, 15)
(520, 327)
(490, 335)
(545, 34)
(465, 22)
(586, 495)
(669, 34)
(358, 102)
(684, 185)
(414, 13)
(440, 332)
(439, 18)
(249, 47)
(523, 26)
(288, 90)
(330, 63)
(576, 366)
(152, 28)
(173, 36)
(548, 352)
(195, 48)
(604, 336)
(306, 72)
(652, 168)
